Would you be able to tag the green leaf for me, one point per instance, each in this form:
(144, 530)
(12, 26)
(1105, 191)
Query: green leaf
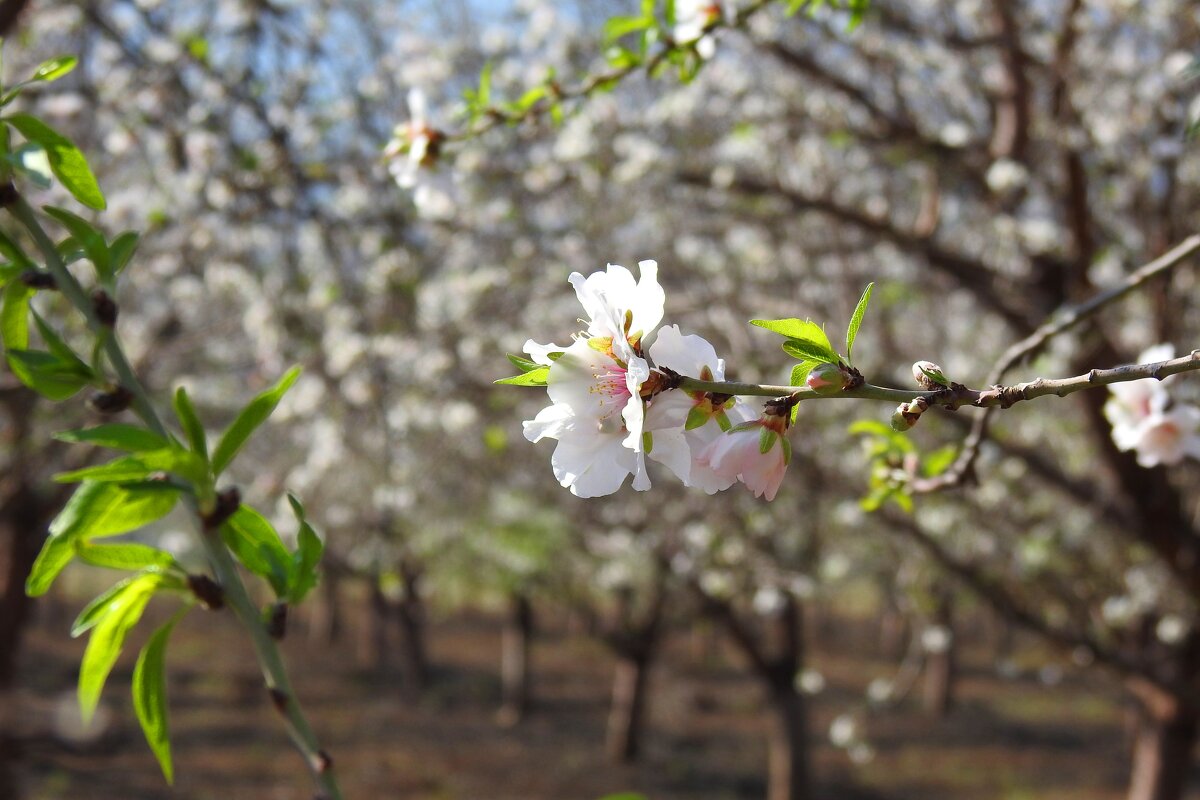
(805, 339)
(800, 372)
(68, 164)
(258, 547)
(253, 415)
(49, 375)
(95, 510)
(809, 351)
(100, 605)
(523, 364)
(190, 422)
(173, 459)
(939, 460)
(13, 252)
(108, 637)
(56, 345)
(150, 694)
(856, 319)
(14, 316)
(309, 549)
(122, 249)
(87, 236)
(54, 68)
(125, 555)
(117, 436)
(52, 559)
(616, 27)
(534, 377)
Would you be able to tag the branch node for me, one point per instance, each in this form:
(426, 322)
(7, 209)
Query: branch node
(207, 591)
(113, 401)
(227, 502)
(279, 699)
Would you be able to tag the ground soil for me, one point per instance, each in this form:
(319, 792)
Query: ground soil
(1023, 737)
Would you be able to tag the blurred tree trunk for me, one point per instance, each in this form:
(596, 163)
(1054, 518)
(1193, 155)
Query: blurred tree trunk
(941, 662)
(626, 718)
(515, 676)
(788, 768)
(1165, 737)
(410, 613)
(777, 655)
(634, 642)
(372, 636)
(893, 629)
(325, 617)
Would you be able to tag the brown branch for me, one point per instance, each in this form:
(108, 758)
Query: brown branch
(1059, 323)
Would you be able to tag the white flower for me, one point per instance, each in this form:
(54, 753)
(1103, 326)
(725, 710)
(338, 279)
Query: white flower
(757, 453)
(693, 21)
(412, 156)
(682, 424)
(1144, 420)
(597, 413)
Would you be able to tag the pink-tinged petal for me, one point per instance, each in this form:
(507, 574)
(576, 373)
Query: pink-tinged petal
(670, 448)
(668, 410)
(765, 474)
(591, 383)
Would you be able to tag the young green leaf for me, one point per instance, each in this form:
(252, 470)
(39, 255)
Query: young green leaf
(100, 606)
(174, 460)
(116, 436)
(49, 375)
(14, 316)
(125, 555)
(66, 161)
(258, 547)
(13, 252)
(54, 68)
(88, 237)
(122, 249)
(253, 415)
(307, 557)
(108, 637)
(190, 421)
(95, 510)
(534, 377)
(150, 694)
(856, 320)
(810, 351)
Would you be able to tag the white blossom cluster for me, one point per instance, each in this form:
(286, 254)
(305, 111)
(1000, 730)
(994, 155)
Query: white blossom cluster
(608, 413)
(1149, 421)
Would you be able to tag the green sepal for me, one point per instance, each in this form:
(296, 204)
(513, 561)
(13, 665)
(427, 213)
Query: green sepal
(698, 417)
(766, 440)
(787, 450)
(723, 421)
(647, 442)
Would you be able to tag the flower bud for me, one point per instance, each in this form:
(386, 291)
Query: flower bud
(900, 419)
(826, 378)
(929, 375)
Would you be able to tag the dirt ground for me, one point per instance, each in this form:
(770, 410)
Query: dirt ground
(1014, 738)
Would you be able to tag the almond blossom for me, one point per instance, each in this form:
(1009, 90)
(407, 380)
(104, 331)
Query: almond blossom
(412, 156)
(757, 453)
(1145, 418)
(682, 424)
(595, 384)
(693, 21)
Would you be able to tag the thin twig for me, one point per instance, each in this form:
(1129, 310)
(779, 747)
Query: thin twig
(236, 595)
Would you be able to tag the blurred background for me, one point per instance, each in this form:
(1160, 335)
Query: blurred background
(481, 633)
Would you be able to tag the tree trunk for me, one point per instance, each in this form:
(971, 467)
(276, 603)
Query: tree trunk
(22, 529)
(941, 662)
(789, 776)
(893, 633)
(325, 619)
(515, 641)
(626, 718)
(372, 638)
(1162, 751)
(410, 613)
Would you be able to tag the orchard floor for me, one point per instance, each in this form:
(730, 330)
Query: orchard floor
(1007, 739)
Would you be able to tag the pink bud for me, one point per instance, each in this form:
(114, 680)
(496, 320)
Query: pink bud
(826, 379)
